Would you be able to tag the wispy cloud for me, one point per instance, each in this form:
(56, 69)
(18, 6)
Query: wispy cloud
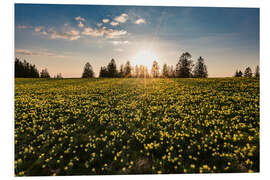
(79, 18)
(23, 27)
(23, 52)
(88, 31)
(105, 20)
(80, 24)
(69, 35)
(53, 34)
(80, 21)
(39, 29)
(119, 42)
(113, 34)
(99, 24)
(104, 32)
(114, 23)
(26, 52)
(122, 18)
(140, 21)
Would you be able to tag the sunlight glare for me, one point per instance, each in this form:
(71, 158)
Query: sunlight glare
(144, 57)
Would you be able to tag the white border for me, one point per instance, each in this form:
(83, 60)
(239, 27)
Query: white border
(7, 85)
(209, 3)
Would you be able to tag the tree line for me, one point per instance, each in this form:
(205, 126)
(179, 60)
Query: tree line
(248, 72)
(183, 69)
(27, 70)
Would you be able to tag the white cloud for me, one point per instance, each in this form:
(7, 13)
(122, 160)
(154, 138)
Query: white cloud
(99, 24)
(23, 27)
(114, 23)
(122, 18)
(81, 25)
(44, 33)
(140, 21)
(79, 18)
(119, 42)
(87, 30)
(93, 32)
(105, 20)
(38, 29)
(53, 34)
(69, 35)
(41, 30)
(104, 32)
(112, 33)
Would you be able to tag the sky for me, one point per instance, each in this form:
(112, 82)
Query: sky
(62, 38)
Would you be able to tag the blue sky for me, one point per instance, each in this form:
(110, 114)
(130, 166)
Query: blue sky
(63, 38)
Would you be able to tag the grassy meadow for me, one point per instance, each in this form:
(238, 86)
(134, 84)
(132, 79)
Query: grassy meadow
(133, 126)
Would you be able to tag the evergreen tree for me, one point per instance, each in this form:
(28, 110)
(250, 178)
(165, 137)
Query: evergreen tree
(103, 72)
(248, 72)
(59, 76)
(127, 70)
(33, 71)
(44, 73)
(88, 71)
(111, 69)
(257, 71)
(121, 72)
(184, 66)
(25, 69)
(165, 71)
(200, 69)
(240, 74)
(155, 70)
(236, 73)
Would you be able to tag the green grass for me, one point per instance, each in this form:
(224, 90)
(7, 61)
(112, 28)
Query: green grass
(131, 126)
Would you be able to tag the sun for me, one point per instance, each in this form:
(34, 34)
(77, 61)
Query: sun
(144, 57)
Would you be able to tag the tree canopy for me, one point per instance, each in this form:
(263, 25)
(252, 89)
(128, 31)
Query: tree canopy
(238, 73)
(184, 66)
(155, 69)
(25, 69)
(111, 69)
(248, 72)
(165, 71)
(257, 71)
(88, 71)
(44, 73)
(127, 70)
(200, 69)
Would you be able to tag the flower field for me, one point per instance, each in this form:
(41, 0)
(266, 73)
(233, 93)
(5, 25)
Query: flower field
(135, 126)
